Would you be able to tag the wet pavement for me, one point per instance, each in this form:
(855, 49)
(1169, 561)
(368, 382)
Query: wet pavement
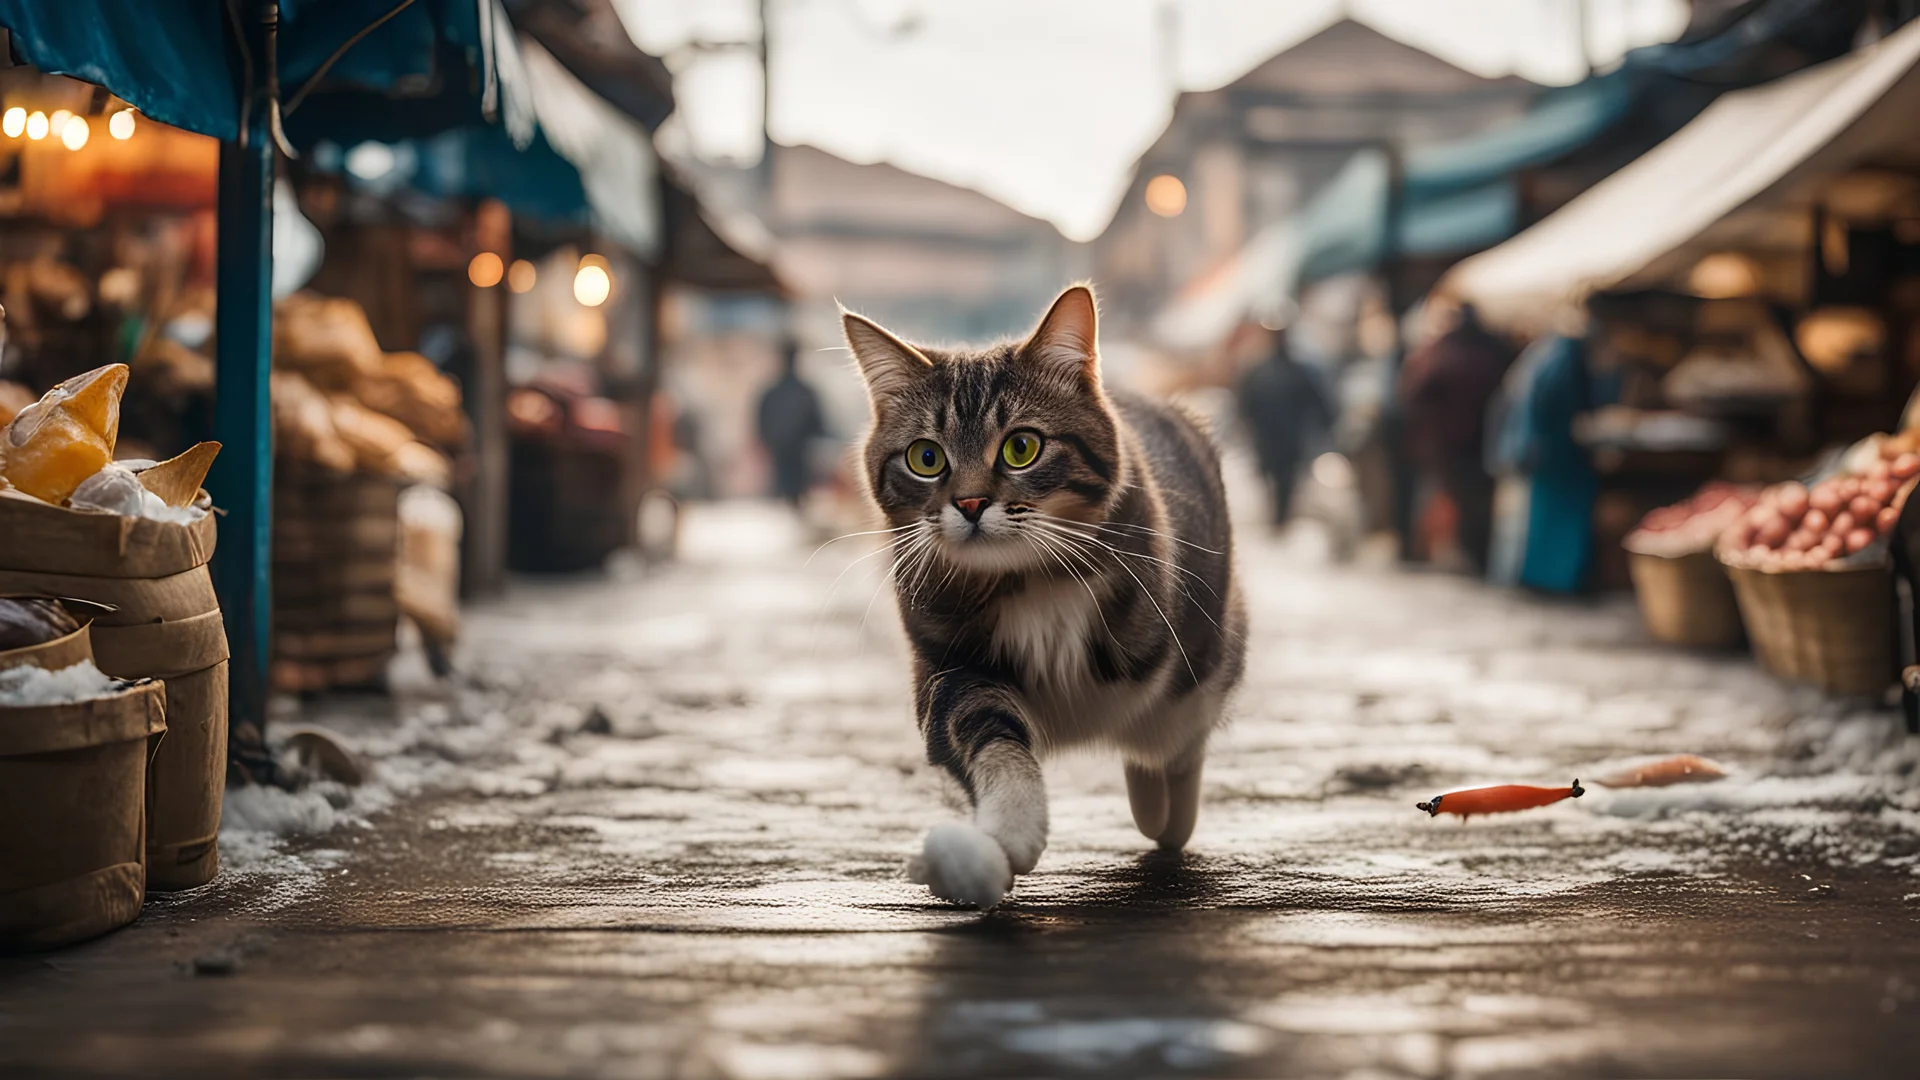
(656, 831)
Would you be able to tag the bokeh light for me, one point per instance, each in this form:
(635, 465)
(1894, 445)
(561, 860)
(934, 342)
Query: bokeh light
(37, 125)
(485, 270)
(1166, 195)
(521, 276)
(592, 284)
(76, 133)
(120, 125)
(14, 122)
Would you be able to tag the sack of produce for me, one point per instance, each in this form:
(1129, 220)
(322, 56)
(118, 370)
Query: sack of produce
(1812, 572)
(1685, 597)
(75, 746)
(327, 340)
(135, 536)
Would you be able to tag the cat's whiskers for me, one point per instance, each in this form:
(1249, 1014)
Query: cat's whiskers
(1063, 523)
(1151, 532)
(1062, 528)
(851, 535)
(1144, 591)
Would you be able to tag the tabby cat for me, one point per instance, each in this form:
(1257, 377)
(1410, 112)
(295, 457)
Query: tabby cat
(1063, 566)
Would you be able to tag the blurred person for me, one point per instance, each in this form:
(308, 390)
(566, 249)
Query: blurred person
(1547, 484)
(789, 421)
(1445, 386)
(1285, 408)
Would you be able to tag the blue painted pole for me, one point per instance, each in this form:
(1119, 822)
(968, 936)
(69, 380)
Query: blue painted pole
(242, 478)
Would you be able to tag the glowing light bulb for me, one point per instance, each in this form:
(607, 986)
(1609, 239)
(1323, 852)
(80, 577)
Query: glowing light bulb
(521, 276)
(14, 122)
(37, 126)
(485, 270)
(592, 285)
(76, 133)
(120, 124)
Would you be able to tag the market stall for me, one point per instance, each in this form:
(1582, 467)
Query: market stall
(253, 75)
(1751, 287)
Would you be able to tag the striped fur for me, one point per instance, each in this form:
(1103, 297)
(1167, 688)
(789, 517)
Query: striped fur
(1091, 601)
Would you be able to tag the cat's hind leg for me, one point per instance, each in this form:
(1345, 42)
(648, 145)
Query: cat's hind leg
(1166, 800)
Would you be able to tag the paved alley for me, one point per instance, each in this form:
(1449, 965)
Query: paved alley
(656, 831)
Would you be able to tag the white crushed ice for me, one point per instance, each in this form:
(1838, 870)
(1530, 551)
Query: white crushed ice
(116, 490)
(32, 686)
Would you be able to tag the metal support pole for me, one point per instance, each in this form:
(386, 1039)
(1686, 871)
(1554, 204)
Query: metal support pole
(242, 479)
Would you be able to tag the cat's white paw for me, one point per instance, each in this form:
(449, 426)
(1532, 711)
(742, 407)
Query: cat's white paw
(961, 863)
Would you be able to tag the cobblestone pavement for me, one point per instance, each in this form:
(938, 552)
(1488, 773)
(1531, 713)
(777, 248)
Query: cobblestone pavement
(657, 831)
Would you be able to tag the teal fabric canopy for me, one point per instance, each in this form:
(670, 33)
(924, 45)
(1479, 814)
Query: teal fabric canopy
(178, 62)
(1455, 198)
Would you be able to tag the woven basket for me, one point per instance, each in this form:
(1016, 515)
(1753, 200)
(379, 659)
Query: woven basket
(1831, 628)
(1686, 600)
(165, 624)
(336, 551)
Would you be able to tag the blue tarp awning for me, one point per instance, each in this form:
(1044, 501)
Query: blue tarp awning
(177, 60)
(1455, 198)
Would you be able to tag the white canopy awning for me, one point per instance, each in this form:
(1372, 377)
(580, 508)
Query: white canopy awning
(614, 154)
(1256, 283)
(1714, 184)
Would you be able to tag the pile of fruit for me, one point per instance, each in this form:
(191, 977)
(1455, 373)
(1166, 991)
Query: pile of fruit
(1693, 526)
(1794, 527)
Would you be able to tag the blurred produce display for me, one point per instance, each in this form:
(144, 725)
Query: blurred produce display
(1692, 526)
(1839, 522)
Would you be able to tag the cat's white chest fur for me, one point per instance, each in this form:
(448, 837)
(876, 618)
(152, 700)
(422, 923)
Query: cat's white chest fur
(1044, 630)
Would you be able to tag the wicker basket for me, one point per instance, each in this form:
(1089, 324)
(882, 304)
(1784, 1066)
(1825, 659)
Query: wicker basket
(1831, 628)
(336, 550)
(1686, 600)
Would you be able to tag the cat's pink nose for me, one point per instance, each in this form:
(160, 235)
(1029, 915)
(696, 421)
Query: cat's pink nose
(972, 508)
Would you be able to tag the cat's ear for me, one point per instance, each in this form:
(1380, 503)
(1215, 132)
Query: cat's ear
(1067, 341)
(889, 365)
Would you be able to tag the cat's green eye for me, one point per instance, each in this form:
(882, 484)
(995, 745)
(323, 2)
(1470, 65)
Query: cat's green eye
(1021, 449)
(925, 458)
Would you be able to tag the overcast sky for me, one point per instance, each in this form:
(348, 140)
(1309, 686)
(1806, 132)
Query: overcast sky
(1044, 104)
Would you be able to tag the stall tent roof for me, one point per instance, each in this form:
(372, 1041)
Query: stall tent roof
(1458, 196)
(1752, 152)
(430, 65)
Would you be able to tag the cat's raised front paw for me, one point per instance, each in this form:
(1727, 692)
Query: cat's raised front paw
(961, 863)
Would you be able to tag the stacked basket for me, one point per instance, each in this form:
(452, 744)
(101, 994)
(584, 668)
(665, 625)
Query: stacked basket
(336, 543)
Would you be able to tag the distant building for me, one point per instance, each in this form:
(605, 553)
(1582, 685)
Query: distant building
(1250, 153)
(934, 261)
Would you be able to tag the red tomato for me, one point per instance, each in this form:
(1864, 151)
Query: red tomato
(1825, 498)
(1864, 507)
(1817, 521)
(1884, 520)
(1858, 540)
(1905, 466)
